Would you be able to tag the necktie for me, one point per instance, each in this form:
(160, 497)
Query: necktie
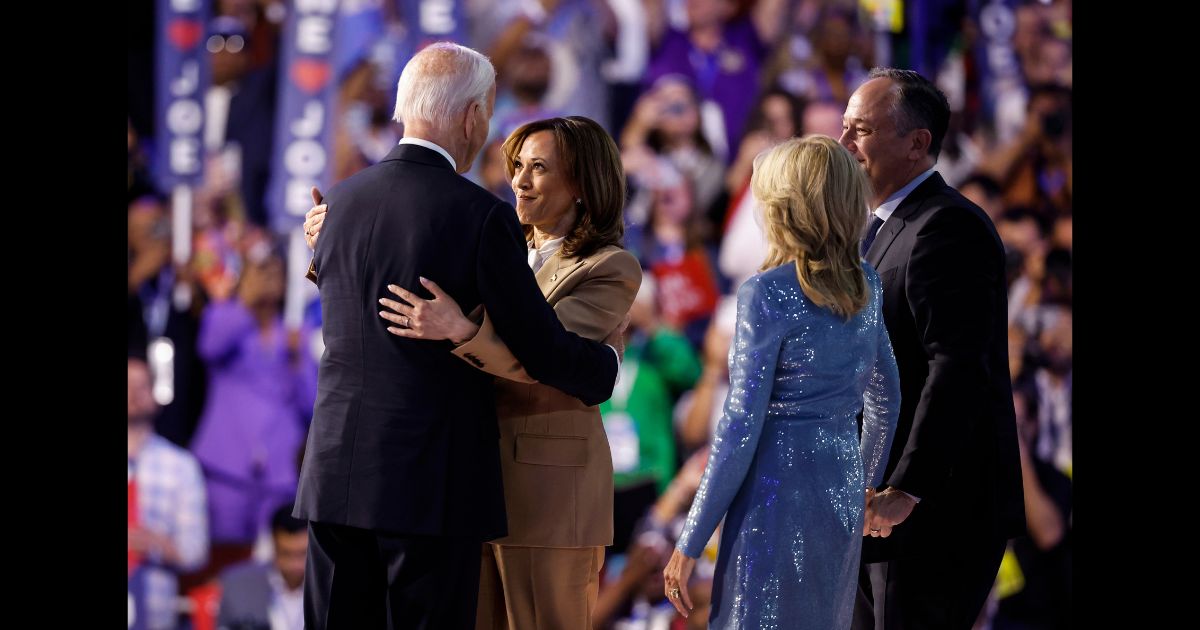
(869, 237)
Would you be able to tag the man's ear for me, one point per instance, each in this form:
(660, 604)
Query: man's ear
(470, 117)
(921, 139)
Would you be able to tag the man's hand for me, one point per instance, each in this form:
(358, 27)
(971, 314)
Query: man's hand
(616, 338)
(887, 510)
(150, 542)
(314, 218)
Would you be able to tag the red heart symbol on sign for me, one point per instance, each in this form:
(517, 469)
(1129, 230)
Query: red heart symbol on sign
(310, 75)
(184, 33)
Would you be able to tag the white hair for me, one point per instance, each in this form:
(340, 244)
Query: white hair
(440, 81)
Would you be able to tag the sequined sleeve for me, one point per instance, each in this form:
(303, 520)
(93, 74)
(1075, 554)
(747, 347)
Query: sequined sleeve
(881, 400)
(752, 359)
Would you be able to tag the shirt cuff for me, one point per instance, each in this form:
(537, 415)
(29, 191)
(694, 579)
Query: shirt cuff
(618, 355)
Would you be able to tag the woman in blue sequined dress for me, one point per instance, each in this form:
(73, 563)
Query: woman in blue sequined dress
(787, 470)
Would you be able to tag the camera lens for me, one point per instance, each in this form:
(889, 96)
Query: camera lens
(675, 109)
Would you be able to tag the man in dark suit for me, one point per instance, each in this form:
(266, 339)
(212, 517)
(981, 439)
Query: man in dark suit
(953, 496)
(401, 476)
(267, 595)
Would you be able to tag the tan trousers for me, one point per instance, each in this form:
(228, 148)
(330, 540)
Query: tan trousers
(538, 588)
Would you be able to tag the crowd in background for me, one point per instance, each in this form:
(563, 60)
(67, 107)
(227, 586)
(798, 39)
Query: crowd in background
(221, 390)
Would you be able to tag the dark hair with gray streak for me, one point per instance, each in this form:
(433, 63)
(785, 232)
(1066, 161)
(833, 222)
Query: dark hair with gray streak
(919, 104)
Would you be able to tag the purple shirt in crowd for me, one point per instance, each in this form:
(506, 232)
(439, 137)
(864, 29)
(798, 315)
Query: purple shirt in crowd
(728, 76)
(255, 419)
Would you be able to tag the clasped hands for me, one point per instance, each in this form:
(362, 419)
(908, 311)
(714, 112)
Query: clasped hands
(885, 510)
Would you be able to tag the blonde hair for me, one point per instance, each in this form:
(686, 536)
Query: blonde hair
(813, 196)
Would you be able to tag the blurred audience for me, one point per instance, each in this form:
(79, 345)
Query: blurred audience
(692, 90)
(269, 595)
(168, 520)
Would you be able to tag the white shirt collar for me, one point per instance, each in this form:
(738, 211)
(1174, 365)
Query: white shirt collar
(549, 247)
(885, 210)
(421, 142)
(275, 578)
(539, 256)
(286, 609)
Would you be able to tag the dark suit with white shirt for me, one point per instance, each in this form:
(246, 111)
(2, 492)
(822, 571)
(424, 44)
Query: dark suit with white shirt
(941, 263)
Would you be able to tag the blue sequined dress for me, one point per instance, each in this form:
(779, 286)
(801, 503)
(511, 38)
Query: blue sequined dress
(787, 469)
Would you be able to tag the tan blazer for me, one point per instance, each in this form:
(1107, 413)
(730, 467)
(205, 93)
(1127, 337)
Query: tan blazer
(558, 476)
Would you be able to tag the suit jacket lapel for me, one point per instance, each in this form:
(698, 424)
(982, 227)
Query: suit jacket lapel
(899, 219)
(883, 240)
(555, 270)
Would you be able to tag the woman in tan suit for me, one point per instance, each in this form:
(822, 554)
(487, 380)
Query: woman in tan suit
(558, 476)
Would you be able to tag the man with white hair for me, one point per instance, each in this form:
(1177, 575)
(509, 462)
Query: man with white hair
(401, 479)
